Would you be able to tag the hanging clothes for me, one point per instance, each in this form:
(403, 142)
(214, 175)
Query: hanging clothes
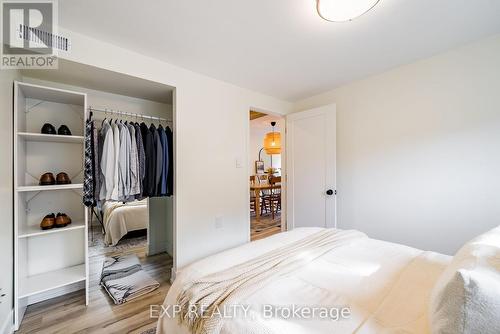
(149, 177)
(107, 161)
(170, 174)
(96, 162)
(158, 160)
(141, 160)
(135, 185)
(164, 170)
(124, 163)
(88, 180)
(116, 178)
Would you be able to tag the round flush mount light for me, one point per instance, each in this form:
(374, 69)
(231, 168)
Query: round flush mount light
(343, 10)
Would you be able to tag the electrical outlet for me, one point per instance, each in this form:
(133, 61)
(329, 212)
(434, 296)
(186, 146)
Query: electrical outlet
(219, 222)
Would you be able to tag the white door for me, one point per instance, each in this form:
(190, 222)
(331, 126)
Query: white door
(311, 146)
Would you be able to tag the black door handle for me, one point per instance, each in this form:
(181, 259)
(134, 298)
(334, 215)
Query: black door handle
(329, 192)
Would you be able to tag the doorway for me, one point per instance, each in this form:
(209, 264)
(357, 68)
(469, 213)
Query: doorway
(266, 171)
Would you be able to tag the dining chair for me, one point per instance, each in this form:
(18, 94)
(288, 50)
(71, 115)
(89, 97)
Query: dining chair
(272, 201)
(252, 195)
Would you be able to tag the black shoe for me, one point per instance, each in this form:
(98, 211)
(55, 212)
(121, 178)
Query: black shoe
(64, 130)
(48, 129)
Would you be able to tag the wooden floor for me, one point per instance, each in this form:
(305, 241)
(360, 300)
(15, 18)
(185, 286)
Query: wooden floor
(68, 314)
(264, 227)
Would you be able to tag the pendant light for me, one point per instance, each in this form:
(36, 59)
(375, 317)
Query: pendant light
(343, 10)
(272, 141)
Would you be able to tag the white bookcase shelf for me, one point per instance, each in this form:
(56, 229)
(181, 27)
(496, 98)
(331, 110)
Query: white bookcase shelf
(48, 263)
(35, 230)
(51, 280)
(72, 186)
(40, 137)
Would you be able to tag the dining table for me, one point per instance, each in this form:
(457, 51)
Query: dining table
(257, 188)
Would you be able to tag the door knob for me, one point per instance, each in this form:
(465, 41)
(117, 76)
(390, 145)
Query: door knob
(329, 192)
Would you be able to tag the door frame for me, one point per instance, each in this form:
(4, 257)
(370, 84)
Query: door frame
(282, 129)
(289, 154)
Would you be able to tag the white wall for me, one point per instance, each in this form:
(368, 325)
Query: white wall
(6, 198)
(419, 149)
(211, 133)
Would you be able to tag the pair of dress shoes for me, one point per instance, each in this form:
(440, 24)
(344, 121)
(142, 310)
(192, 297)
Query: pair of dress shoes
(52, 220)
(48, 179)
(49, 129)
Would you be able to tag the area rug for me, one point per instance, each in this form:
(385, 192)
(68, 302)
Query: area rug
(265, 224)
(134, 240)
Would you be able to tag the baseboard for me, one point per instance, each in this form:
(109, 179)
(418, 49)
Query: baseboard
(173, 274)
(8, 324)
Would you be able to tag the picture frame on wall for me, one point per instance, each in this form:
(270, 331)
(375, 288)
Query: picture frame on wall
(259, 167)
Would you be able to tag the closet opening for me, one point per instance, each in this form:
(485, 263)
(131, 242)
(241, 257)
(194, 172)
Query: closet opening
(266, 174)
(94, 191)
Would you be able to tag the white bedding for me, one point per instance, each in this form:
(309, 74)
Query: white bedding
(385, 285)
(120, 218)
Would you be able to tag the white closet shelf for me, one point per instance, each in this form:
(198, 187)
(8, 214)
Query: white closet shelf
(51, 280)
(41, 137)
(34, 231)
(48, 188)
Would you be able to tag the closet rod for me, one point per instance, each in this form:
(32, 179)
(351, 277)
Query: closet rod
(117, 112)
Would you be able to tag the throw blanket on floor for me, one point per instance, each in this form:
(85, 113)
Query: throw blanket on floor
(213, 291)
(124, 279)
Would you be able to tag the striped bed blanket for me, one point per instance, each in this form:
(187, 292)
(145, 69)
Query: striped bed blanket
(124, 279)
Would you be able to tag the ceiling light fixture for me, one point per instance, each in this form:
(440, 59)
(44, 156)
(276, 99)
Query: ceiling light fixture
(272, 141)
(343, 10)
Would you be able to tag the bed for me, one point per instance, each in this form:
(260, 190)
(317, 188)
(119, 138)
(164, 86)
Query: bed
(120, 218)
(385, 285)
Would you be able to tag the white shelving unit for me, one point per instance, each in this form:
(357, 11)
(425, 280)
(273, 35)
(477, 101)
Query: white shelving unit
(50, 188)
(51, 280)
(40, 137)
(48, 263)
(34, 231)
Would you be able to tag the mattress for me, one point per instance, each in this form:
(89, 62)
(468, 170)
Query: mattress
(120, 218)
(385, 286)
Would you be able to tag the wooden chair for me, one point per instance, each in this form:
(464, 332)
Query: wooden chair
(252, 195)
(272, 201)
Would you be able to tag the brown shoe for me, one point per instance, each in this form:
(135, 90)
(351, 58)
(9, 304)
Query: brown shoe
(65, 217)
(47, 179)
(48, 222)
(61, 221)
(62, 178)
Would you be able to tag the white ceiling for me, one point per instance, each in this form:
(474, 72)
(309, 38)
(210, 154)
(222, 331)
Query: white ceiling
(282, 47)
(265, 122)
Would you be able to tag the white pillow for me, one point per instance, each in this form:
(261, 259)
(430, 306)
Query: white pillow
(466, 297)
